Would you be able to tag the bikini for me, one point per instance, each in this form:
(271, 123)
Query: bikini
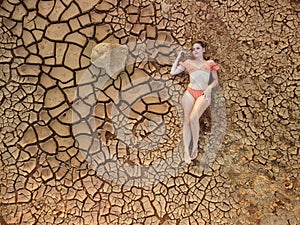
(195, 93)
(198, 76)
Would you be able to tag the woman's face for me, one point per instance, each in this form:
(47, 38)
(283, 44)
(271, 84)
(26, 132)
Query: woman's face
(198, 50)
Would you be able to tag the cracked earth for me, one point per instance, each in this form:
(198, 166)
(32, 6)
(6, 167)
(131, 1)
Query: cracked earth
(91, 119)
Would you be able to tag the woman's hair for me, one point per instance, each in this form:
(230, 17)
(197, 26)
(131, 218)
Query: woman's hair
(202, 43)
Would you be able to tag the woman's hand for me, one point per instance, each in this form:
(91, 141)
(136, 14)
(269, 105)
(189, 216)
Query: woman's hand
(207, 93)
(181, 55)
(175, 68)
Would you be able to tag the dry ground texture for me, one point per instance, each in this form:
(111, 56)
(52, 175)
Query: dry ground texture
(91, 119)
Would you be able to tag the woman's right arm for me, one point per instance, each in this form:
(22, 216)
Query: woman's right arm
(176, 69)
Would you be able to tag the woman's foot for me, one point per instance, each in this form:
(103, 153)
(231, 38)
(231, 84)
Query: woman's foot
(194, 154)
(187, 157)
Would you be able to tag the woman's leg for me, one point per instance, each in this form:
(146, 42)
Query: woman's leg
(187, 104)
(199, 107)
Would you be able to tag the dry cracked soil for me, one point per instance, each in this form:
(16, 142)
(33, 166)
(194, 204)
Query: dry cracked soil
(91, 119)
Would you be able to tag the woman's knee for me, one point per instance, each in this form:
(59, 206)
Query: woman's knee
(186, 121)
(193, 118)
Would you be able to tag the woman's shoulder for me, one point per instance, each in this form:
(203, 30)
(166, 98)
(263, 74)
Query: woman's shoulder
(210, 61)
(213, 65)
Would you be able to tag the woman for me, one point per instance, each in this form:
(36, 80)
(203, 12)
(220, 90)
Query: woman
(197, 97)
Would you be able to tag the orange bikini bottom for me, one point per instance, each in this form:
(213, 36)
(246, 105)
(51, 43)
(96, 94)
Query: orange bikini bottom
(195, 93)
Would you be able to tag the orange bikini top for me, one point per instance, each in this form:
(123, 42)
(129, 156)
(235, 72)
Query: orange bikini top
(210, 65)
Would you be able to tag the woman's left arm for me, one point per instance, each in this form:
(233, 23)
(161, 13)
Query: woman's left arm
(215, 79)
(207, 92)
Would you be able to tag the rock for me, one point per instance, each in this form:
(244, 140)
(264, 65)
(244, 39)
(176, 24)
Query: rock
(111, 57)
